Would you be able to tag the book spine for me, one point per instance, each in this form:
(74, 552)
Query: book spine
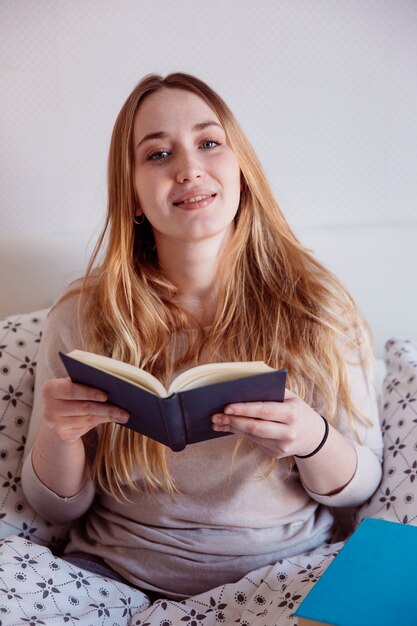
(173, 420)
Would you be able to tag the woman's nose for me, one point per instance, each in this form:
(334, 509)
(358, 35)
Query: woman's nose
(189, 168)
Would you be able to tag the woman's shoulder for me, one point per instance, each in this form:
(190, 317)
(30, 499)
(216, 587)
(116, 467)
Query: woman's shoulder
(67, 303)
(64, 318)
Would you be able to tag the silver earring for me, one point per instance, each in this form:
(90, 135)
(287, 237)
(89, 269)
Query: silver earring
(139, 220)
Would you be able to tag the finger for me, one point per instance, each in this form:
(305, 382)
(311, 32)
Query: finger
(66, 408)
(65, 389)
(271, 411)
(274, 448)
(76, 427)
(263, 429)
(83, 423)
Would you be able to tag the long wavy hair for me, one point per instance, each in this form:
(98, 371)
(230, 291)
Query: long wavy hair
(276, 302)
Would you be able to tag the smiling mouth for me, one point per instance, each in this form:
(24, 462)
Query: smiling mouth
(195, 199)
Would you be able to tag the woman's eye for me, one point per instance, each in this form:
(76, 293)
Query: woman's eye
(158, 155)
(210, 143)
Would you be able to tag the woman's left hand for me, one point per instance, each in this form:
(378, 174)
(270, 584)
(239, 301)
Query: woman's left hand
(281, 429)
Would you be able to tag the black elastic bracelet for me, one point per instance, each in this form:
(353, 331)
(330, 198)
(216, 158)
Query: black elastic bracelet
(322, 442)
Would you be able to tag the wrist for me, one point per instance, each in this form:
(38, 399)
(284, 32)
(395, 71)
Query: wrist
(320, 445)
(60, 465)
(50, 436)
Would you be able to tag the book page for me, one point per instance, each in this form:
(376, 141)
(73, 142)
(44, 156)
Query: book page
(125, 371)
(212, 373)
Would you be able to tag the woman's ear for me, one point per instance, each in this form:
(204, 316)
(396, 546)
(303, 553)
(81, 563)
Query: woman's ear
(139, 216)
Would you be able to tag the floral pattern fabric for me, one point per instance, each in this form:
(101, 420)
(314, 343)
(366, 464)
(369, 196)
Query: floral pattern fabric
(37, 588)
(19, 342)
(396, 497)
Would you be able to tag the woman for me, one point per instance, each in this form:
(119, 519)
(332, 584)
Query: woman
(200, 265)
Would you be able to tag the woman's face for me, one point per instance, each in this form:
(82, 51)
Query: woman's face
(186, 177)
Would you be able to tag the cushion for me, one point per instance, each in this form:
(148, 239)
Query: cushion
(40, 588)
(396, 497)
(19, 341)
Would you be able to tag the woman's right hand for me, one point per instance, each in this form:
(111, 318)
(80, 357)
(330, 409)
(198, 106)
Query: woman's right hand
(70, 410)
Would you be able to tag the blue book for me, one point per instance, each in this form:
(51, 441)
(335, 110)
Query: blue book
(181, 414)
(371, 582)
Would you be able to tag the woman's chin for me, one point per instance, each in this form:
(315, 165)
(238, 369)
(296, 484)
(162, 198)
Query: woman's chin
(196, 231)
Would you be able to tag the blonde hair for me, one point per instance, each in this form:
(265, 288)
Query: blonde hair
(276, 303)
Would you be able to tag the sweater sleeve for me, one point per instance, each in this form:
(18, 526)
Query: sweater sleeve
(49, 505)
(61, 334)
(368, 444)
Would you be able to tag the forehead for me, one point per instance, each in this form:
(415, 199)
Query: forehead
(168, 108)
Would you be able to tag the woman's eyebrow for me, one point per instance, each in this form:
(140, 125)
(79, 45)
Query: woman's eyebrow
(162, 134)
(203, 125)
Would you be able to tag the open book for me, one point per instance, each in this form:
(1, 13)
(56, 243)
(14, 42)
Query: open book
(182, 413)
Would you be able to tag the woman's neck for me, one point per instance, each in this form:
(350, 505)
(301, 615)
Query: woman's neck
(192, 268)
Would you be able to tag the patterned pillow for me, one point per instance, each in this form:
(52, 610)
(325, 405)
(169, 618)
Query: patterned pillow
(19, 341)
(396, 497)
(37, 588)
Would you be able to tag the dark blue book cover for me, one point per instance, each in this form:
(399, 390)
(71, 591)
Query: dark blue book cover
(371, 582)
(181, 418)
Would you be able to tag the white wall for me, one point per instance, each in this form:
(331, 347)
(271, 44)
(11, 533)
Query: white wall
(325, 89)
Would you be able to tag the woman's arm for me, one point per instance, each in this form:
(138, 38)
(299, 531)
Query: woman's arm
(342, 472)
(55, 475)
(68, 412)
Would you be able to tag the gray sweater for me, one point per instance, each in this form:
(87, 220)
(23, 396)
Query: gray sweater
(226, 520)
